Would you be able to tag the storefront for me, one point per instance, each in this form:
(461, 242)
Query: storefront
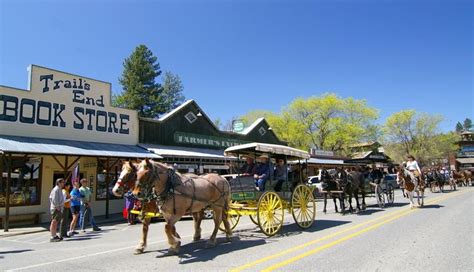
(465, 155)
(186, 138)
(61, 122)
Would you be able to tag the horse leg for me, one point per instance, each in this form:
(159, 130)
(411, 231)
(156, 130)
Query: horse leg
(142, 245)
(410, 197)
(325, 202)
(173, 236)
(351, 210)
(341, 202)
(197, 216)
(335, 203)
(228, 230)
(217, 222)
(356, 196)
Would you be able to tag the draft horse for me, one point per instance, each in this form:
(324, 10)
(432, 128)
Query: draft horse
(411, 184)
(126, 182)
(178, 194)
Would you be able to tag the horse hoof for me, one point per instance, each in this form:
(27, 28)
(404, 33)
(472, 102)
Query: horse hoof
(210, 244)
(138, 251)
(174, 250)
(228, 239)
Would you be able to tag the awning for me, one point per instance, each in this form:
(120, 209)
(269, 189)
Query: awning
(185, 152)
(32, 145)
(465, 160)
(325, 161)
(267, 148)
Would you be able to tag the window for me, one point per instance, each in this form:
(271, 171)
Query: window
(25, 182)
(101, 193)
(262, 131)
(190, 117)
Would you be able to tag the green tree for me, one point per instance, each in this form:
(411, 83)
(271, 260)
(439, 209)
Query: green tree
(459, 127)
(140, 90)
(411, 133)
(172, 94)
(467, 125)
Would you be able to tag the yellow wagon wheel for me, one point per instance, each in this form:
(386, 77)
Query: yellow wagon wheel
(303, 206)
(270, 213)
(233, 221)
(253, 218)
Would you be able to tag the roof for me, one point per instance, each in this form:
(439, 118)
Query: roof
(267, 148)
(465, 160)
(175, 110)
(364, 144)
(252, 126)
(185, 152)
(361, 155)
(32, 145)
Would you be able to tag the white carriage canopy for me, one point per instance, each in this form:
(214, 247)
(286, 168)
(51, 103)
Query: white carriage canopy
(267, 148)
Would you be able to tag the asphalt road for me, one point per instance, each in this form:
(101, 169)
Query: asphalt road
(437, 237)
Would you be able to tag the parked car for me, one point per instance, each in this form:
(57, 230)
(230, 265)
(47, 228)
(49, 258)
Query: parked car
(315, 181)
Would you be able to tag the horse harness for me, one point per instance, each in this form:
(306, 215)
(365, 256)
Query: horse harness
(172, 183)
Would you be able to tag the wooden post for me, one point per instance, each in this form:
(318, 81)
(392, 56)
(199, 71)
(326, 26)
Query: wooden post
(107, 180)
(7, 203)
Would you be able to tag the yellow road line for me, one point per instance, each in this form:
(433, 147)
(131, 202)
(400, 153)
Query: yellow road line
(285, 252)
(318, 249)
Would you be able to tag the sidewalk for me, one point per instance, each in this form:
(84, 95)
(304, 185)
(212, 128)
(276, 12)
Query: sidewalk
(100, 220)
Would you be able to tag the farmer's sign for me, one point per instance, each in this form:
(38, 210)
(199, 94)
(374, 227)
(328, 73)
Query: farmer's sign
(64, 106)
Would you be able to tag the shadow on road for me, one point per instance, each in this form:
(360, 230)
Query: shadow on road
(13, 252)
(197, 251)
(432, 206)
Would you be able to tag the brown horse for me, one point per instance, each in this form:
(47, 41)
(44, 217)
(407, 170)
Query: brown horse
(178, 194)
(126, 182)
(412, 184)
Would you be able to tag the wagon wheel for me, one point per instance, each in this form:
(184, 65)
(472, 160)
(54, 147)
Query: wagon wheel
(253, 218)
(233, 221)
(379, 196)
(390, 194)
(303, 206)
(270, 213)
(232, 218)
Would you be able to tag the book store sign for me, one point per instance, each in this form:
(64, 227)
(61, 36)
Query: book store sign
(64, 106)
(204, 140)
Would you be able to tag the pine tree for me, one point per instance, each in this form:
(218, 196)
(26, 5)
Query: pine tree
(459, 127)
(467, 124)
(140, 90)
(172, 91)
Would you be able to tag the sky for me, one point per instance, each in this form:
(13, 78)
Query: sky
(238, 56)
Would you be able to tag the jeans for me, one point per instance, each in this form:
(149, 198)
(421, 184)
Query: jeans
(261, 184)
(86, 211)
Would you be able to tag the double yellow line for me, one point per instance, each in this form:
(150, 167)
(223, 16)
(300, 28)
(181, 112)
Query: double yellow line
(391, 217)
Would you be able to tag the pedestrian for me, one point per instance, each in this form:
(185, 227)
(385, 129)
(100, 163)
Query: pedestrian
(75, 207)
(56, 200)
(129, 203)
(63, 226)
(86, 210)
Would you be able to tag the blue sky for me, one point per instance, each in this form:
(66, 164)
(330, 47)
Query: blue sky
(236, 56)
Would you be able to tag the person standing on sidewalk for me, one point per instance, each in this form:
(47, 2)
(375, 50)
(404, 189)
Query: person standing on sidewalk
(75, 207)
(86, 210)
(56, 200)
(63, 226)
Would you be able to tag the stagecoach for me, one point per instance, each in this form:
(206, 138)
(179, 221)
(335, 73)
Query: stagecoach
(382, 190)
(267, 208)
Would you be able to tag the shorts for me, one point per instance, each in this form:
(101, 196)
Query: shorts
(75, 209)
(56, 215)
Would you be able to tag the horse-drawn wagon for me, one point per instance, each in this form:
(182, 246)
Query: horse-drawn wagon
(266, 207)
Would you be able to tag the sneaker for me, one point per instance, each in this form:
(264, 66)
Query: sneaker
(83, 230)
(75, 232)
(55, 239)
(60, 238)
(70, 234)
(65, 236)
(96, 229)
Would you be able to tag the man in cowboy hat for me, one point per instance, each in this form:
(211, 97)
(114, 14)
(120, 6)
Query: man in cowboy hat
(262, 173)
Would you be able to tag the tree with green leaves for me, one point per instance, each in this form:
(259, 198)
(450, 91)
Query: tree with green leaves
(410, 132)
(459, 127)
(172, 95)
(141, 92)
(467, 125)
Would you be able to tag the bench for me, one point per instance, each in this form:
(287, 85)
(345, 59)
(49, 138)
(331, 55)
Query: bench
(21, 219)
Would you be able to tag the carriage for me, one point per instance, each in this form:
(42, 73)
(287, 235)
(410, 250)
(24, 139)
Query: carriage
(267, 208)
(382, 190)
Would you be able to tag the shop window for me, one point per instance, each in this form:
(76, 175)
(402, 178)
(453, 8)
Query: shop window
(101, 193)
(25, 182)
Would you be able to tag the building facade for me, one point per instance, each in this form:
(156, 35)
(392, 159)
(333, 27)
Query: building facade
(60, 123)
